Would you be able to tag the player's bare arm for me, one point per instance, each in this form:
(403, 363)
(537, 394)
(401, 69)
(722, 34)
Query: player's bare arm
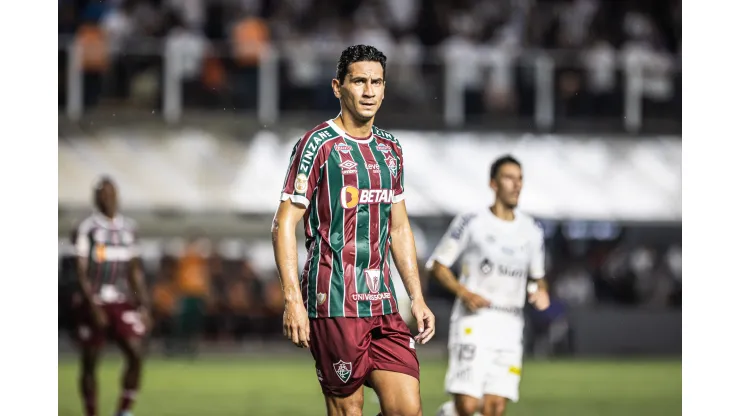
(285, 248)
(403, 251)
(87, 290)
(449, 281)
(138, 286)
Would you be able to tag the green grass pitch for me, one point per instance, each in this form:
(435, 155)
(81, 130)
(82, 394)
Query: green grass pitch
(262, 386)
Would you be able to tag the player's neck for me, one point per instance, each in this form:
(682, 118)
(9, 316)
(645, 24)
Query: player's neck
(503, 212)
(355, 128)
(108, 216)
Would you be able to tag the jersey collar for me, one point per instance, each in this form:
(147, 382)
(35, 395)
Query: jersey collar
(106, 222)
(344, 134)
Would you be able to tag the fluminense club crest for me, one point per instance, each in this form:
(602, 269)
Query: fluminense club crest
(391, 162)
(343, 370)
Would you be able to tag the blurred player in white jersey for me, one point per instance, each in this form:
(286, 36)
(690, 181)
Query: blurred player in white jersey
(501, 252)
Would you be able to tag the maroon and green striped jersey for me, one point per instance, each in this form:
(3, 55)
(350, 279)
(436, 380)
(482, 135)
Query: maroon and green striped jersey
(348, 186)
(108, 245)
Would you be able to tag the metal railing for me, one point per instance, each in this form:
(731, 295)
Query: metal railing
(543, 64)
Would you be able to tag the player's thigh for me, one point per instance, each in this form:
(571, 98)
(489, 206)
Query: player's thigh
(85, 332)
(466, 370)
(128, 330)
(395, 375)
(398, 393)
(340, 350)
(467, 358)
(504, 375)
(393, 347)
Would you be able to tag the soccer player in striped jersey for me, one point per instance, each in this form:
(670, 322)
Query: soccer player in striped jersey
(346, 180)
(115, 302)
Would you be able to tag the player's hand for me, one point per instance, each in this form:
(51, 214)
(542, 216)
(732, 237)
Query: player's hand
(146, 319)
(540, 299)
(101, 320)
(474, 301)
(424, 320)
(295, 324)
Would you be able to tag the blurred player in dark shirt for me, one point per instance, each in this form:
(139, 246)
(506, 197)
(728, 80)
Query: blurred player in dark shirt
(114, 300)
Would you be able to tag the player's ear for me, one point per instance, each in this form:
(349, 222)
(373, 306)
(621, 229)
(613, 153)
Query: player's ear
(336, 87)
(493, 185)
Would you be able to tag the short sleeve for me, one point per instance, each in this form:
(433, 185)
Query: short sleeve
(398, 185)
(82, 239)
(537, 250)
(303, 173)
(452, 243)
(132, 239)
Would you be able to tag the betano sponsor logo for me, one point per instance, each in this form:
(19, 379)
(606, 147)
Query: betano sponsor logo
(350, 196)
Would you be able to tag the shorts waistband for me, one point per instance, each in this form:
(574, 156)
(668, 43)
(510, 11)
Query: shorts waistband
(512, 310)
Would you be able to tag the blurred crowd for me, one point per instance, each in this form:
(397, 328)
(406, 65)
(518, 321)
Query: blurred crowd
(228, 290)
(490, 43)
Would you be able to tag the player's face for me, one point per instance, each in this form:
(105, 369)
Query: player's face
(508, 184)
(362, 90)
(107, 198)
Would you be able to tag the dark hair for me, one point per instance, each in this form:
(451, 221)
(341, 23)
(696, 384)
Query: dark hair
(496, 166)
(358, 53)
(103, 180)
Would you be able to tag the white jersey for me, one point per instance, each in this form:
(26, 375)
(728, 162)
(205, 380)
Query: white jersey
(496, 258)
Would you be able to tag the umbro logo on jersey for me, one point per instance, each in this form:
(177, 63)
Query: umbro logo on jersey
(350, 196)
(348, 167)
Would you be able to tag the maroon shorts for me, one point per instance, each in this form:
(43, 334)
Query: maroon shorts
(346, 350)
(124, 322)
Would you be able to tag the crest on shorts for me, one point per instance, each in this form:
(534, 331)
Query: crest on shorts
(372, 277)
(321, 297)
(343, 370)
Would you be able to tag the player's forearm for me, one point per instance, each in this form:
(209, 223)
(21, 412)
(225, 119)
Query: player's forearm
(285, 248)
(447, 279)
(84, 281)
(403, 251)
(136, 280)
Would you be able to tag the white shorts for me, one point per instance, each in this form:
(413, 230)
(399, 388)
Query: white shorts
(478, 367)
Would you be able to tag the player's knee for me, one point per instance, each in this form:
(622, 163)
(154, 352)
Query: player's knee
(134, 358)
(349, 409)
(407, 409)
(89, 361)
(133, 353)
(494, 406)
(466, 406)
(346, 406)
